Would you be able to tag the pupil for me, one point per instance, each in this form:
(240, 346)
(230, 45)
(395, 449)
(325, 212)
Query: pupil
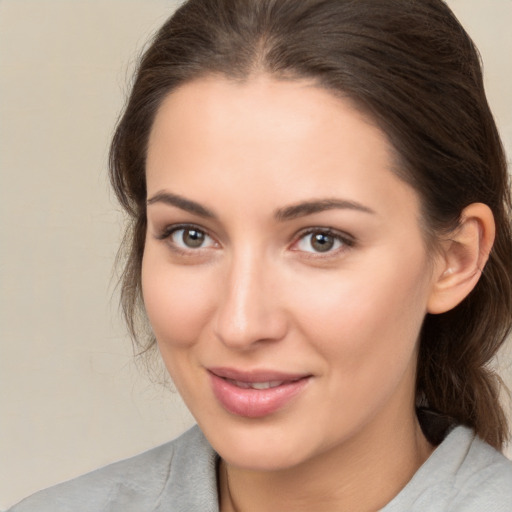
(322, 242)
(193, 238)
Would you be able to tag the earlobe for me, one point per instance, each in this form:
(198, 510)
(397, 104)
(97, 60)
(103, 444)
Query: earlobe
(463, 258)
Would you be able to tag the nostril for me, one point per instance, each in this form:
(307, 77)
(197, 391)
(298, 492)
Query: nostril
(244, 331)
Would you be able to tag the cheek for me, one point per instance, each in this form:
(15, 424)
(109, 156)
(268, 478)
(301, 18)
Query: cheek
(367, 318)
(177, 303)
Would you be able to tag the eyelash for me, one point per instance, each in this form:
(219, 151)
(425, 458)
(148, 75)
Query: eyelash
(168, 231)
(346, 240)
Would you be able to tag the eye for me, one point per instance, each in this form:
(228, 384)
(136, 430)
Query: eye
(322, 241)
(188, 237)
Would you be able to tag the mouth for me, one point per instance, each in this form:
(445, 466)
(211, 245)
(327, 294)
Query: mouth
(255, 394)
(256, 385)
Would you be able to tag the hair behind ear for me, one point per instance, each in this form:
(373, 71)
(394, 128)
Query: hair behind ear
(454, 372)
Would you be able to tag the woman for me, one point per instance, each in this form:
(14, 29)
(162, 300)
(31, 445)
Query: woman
(321, 242)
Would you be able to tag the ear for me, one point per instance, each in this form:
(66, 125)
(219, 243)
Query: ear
(463, 258)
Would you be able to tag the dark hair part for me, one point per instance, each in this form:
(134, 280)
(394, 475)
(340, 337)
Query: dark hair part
(411, 66)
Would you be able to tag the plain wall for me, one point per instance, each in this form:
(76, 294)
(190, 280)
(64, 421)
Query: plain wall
(71, 396)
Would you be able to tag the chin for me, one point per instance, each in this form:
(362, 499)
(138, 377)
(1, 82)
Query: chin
(262, 460)
(260, 446)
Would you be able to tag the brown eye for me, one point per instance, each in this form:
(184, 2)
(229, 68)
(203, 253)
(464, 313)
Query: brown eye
(190, 238)
(193, 238)
(322, 242)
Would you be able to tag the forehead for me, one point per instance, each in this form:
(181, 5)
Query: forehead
(279, 141)
(261, 109)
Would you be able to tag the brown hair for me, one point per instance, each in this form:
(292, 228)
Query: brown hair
(411, 66)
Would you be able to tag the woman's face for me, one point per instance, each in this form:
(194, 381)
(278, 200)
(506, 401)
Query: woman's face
(285, 273)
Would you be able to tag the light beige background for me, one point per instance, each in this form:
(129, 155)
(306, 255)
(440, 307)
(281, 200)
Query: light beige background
(71, 397)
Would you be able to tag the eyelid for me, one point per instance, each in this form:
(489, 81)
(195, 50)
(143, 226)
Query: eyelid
(168, 229)
(347, 240)
(166, 233)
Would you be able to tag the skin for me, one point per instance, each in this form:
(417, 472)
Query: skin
(258, 295)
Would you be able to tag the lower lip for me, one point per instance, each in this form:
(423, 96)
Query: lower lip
(255, 403)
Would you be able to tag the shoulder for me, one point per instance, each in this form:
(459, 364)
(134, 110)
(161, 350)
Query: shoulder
(483, 480)
(464, 474)
(162, 476)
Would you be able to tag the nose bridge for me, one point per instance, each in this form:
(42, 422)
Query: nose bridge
(248, 311)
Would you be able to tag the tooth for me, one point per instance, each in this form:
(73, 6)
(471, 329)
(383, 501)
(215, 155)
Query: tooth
(243, 385)
(266, 385)
(260, 385)
(255, 385)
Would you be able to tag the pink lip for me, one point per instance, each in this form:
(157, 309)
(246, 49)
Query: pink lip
(254, 403)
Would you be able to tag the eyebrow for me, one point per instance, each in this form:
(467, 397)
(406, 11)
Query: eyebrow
(182, 203)
(294, 211)
(316, 206)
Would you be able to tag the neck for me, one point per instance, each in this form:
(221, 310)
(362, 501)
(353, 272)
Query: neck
(363, 474)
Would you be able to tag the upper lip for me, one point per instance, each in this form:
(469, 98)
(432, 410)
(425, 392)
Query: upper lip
(251, 376)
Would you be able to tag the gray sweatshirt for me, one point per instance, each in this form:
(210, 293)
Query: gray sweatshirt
(463, 474)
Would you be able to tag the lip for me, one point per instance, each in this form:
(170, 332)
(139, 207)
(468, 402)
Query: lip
(255, 403)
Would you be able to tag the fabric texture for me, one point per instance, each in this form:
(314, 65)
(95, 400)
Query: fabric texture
(463, 474)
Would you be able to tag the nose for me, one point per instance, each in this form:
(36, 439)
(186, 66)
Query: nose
(248, 312)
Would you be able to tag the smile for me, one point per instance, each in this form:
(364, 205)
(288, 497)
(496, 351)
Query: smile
(255, 394)
(256, 385)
